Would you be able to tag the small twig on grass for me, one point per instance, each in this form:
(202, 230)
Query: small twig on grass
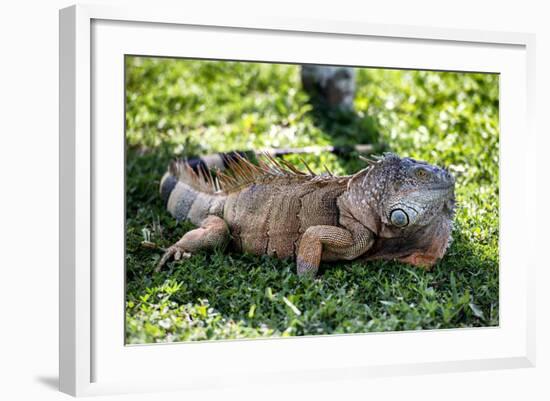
(152, 245)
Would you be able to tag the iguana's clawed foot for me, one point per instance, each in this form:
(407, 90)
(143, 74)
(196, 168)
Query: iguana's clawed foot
(213, 232)
(182, 254)
(173, 252)
(305, 268)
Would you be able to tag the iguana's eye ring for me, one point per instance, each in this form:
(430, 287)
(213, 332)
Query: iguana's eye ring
(421, 173)
(399, 218)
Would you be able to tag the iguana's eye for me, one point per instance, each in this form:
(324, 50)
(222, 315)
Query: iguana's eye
(399, 218)
(421, 173)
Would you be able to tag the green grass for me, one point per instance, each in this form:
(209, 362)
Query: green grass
(183, 107)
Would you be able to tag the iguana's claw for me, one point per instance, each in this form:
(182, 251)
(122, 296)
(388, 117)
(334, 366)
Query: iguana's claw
(181, 254)
(167, 255)
(172, 252)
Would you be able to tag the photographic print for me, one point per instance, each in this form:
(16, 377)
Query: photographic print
(268, 200)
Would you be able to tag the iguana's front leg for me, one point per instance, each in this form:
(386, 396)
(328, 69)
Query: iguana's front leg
(213, 232)
(329, 243)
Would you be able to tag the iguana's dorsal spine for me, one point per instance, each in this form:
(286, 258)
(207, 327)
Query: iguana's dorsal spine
(241, 172)
(192, 194)
(222, 160)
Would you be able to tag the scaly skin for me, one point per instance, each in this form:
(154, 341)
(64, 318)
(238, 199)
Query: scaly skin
(394, 209)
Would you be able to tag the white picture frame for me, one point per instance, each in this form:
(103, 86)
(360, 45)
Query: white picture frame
(93, 357)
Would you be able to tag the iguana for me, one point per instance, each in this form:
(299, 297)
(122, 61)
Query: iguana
(334, 86)
(395, 208)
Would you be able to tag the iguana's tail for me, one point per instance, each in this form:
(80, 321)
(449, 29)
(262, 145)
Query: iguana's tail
(189, 194)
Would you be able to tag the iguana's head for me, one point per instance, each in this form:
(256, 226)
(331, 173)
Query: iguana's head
(402, 197)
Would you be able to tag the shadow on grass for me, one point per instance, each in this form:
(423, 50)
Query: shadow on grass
(346, 129)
